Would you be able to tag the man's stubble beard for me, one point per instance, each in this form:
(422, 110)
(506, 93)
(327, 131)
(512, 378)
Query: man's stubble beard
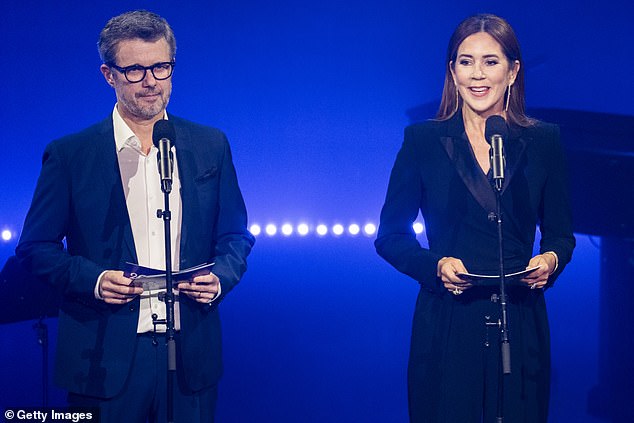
(146, 112)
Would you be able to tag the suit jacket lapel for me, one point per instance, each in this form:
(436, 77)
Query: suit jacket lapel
(109, 174)
(514, 149)
(459, 151)
(194, 169)
(185, 169)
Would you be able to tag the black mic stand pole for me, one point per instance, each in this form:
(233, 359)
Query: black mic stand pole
(505, 346)
(42, 339)
(166, 187)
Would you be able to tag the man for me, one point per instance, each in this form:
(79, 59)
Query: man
(100, 191)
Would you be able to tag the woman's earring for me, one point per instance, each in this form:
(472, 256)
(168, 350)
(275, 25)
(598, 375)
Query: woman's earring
(508, 99)
(455, 110)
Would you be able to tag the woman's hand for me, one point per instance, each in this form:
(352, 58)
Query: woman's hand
(447, 270)
(539, 277)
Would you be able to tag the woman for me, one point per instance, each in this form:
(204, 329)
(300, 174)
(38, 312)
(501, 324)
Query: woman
(443, 169)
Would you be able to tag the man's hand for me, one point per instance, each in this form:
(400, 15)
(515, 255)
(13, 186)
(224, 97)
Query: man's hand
(202, 288)
(114, 288)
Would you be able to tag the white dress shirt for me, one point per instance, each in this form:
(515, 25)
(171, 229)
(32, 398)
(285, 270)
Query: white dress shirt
(143, 195)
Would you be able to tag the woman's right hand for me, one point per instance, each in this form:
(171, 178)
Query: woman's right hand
(447, 270)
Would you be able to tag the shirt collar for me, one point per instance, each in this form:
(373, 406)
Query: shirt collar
(123, 135)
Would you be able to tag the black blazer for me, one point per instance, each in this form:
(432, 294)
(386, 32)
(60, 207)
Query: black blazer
(79, 197)
(436, 172)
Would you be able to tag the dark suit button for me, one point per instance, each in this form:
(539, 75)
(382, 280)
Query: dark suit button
(131, 308)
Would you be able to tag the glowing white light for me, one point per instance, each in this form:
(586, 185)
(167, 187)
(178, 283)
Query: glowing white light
(270, 229)
(321, 230)
(287, 229)
(302, 229)
(7, 235)
(337, 229)
(354, 229)
(369, 229)
(255, 230)
(418, 227)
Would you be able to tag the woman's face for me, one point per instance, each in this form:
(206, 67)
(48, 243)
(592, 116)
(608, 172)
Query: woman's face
(482, 74)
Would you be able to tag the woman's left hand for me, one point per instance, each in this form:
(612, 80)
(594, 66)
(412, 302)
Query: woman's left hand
(539, 277)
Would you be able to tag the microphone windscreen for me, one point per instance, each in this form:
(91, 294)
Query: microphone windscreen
(163, 129)
(495, 125)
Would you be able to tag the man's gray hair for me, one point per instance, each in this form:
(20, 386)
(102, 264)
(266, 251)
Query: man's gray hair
(140, 24)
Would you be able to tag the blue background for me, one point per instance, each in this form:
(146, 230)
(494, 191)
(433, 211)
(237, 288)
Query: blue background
(314, 98)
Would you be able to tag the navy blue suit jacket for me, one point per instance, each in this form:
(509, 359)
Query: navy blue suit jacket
(79, 198)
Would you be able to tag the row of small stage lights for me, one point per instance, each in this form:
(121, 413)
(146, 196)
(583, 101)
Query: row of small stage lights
(287, 229)
(321, 230)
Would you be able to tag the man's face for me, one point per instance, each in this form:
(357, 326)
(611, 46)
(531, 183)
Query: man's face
(147, 99)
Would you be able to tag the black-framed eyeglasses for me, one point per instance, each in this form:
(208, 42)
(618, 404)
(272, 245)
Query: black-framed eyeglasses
(136, 73)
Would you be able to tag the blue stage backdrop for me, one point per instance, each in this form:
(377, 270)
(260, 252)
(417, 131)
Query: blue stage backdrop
(314, 97)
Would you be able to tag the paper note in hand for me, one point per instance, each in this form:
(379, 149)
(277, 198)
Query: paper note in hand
(480, 279)
(152, 279)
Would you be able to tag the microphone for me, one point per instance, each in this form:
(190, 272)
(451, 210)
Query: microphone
(496, 131)
(163, 136)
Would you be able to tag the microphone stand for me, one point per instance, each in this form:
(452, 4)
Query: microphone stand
(505, 346)
(166, 187)
(42, 339)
